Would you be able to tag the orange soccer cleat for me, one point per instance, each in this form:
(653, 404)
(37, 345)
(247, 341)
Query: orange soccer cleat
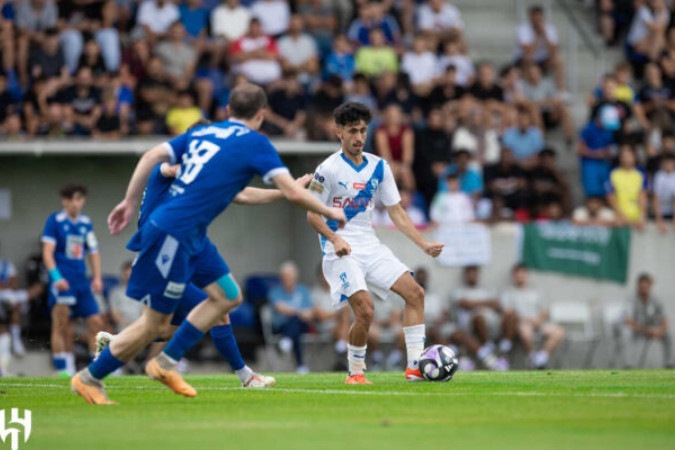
(359, 378)
(170, 378)
(92, 392)
(413, 374)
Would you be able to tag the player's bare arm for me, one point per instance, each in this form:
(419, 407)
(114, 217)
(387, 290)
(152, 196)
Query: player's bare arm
(406, 226)
(97, 278)
(258, 196)
(48, 249)
(120, 216)
(340, 246)
(302, 197)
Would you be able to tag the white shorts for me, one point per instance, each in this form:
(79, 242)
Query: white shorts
(375, 272)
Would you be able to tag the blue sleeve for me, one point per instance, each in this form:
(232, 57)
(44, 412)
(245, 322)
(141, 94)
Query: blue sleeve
(645, 179)
(265, 160)
(540, 139)
(177, 147)
(50, 233)
(275, 295)
(125, 96)
(609, 187)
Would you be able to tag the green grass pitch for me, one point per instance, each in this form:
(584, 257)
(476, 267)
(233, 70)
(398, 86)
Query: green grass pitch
(478, 410)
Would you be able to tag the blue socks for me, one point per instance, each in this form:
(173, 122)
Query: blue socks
(186, 337)
(226, 344)
(104, 365)
(59, 361)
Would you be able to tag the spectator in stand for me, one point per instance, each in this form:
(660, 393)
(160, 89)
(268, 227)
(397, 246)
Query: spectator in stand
(451, 207)
(81, 103)
(421, 66)
(256, 56)
(340, 61)
(274, 16)
(124, 310)
(178, 58)
(230, 20)
(195, 18)
(525, 140)
(470, 180)
(298, 52)
(507, 181)
(477, 135)
(540, 92)
(154, 18)
(432, 154)
(395, 142)
(538, 44)
(155, 96)
(663, 193)
(656, 101)
(371, 16)
(595, 213)
(417, 216)
(533, 319)
(486, 90)
(33, 19)
(293, 311)
(645, 319)
(624, 91)
(627, 190)
(452, 56)
(646, 38)
(183, 114)
(91, 57)
(8, 104)
(108, 125)
(376, 57)
(329, 95)
(362, 93)
(596, 150)
(391, 87)
(547, 185)
(387, 326)
(286, 114)
(447, 89)
(48, 64)
(95, 17)
(12, 301)
(439, 19)
(479, 313)
(321, 22)
(658, 147)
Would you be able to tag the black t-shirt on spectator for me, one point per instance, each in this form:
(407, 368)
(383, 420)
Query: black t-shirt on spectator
(108, 123)
(650, 93)
(82, 100)
(544, 185)
(51, 65)
(440, 95)
(97, 67)
(323, 102)
(502, 180)
(431, 146)
(484, 93)
(286, 106)
(7, 105)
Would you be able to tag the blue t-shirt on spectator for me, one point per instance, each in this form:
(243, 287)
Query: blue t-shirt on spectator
(194, 20)
(8, 11)
(596, 137)
(470, 182)
(300, 299)
(523, 145)
(341, 65)
(360, 31)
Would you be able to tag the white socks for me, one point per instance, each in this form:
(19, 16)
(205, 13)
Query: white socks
(15, 330)
(166, 362)
(356, 357)
(5, 352)
(70, 362)
(244, 373)
(415, 336)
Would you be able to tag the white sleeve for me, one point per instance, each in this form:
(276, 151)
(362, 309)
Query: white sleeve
(425, 20)
(322, 184)
(551, 33)
(525, 35)
(388, 191)
(144, 14)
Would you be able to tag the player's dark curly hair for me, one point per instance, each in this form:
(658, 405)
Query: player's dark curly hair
(246, 100)
(350, 113)
(69, 190)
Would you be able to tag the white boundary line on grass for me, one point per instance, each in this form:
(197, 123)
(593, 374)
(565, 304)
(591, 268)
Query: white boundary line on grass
(387, 394)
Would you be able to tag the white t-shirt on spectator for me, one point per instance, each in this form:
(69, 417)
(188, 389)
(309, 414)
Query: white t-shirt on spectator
(421, 68)
(527, 36)
(664, 187)
(543, 91)
(638, 29)
(157, 18)
(274, 15)
(447, 18)
(526, 302)
(463, 65)
(260, 71)
(452, 208)
(230, 23)
(297, 51)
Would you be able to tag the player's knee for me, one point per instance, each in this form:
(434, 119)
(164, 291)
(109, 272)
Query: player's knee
(365, 314)
(230, 288)
(165, 331)
(416, 296)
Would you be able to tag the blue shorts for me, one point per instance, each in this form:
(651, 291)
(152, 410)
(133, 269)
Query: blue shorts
(191, 298)
(161, 271)
(79, 299)
(594, 176)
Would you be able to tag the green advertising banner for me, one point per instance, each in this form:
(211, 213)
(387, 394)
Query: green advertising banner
(593, 252)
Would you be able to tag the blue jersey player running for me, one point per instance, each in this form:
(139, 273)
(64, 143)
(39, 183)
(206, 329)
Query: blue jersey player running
(217, 162)
(222, 336)
(68, 238)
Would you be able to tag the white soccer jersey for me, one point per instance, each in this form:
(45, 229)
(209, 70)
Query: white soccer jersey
(339, 183)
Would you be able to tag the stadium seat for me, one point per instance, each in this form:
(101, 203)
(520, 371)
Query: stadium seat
(577, 319)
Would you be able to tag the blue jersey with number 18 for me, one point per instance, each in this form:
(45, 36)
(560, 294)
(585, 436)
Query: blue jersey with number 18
(216, 162)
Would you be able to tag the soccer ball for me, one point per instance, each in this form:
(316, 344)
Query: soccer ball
(438, 363)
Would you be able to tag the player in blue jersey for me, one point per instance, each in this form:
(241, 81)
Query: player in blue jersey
(221, 334)
(69, 238)
(217, 162)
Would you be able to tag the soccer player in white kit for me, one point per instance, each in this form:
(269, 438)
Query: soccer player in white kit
(355, 263)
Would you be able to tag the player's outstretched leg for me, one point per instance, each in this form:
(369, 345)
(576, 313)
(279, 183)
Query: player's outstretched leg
(226, 344)
(364, 310)
(413, 323)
